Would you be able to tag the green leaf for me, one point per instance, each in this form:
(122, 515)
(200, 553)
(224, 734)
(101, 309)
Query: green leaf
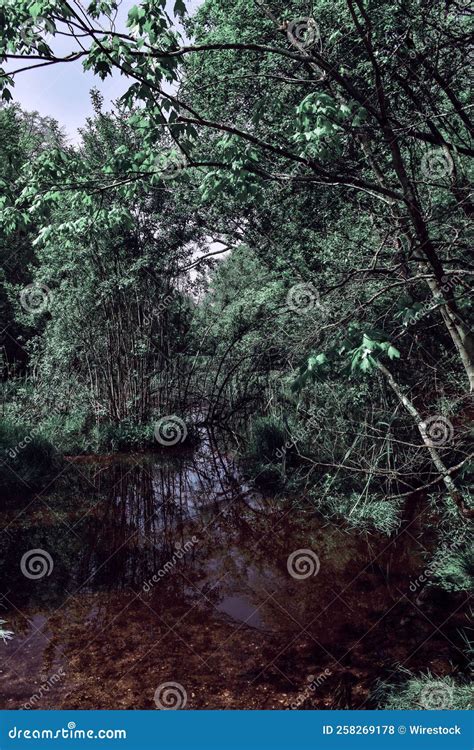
(393, 353)
(179, 8)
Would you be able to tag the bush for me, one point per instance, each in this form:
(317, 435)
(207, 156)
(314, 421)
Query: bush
(67, 432)
(267, 440)
(28, 460)
(77, 434)
(264, 451)
(121, 437)
(127, 436)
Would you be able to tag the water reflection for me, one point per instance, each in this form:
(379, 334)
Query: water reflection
(172, 568)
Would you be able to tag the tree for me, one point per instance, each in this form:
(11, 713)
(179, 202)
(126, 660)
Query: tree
(355, 117)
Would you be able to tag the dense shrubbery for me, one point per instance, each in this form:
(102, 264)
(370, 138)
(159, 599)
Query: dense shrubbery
(73, 438)
(77, 430)
(263, 458)
(129, 436)
(76, 437)
(29, 461)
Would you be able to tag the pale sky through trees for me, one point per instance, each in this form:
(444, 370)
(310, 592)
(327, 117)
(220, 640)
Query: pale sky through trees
(63, 91)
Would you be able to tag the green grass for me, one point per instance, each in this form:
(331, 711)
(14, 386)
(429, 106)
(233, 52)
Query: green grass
(425, 692)
(364, 514)
(453, 571)
(452, 563)
(76, 436)
(5, 635)
(267, 438)
(262, 459)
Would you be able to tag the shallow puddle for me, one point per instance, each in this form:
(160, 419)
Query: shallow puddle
(171, 569)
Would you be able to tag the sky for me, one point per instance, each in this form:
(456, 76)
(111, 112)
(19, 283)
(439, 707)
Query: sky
(62, 91)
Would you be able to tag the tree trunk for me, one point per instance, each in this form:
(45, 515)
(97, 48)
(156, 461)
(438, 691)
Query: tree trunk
(436, 458)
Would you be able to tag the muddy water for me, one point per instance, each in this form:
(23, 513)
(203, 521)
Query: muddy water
(171, 569)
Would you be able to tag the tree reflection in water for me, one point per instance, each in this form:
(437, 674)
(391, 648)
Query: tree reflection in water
(222, 615)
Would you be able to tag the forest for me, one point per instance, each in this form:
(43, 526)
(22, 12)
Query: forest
(237, 357)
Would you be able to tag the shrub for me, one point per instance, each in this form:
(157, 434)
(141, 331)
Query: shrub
(78, 434)
(267, 439)
(128, 435)
(68, 432)
(121, 437)
(262, 459)
(28, 460)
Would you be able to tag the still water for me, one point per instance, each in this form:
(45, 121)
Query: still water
(171, 568)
